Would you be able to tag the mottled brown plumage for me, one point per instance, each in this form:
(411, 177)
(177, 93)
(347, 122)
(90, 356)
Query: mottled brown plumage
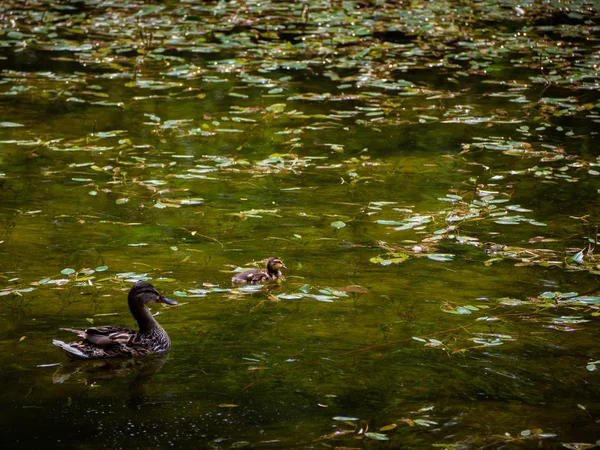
(256, 276)
(115, 341)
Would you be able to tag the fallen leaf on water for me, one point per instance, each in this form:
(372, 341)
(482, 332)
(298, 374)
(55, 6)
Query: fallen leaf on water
(346, 418)
(410, 422)
(337, 434)
(377, 436)
(355, 288)
(578, 445)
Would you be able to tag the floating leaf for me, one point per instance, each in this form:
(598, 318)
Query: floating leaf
(334, 292)
(389, 258)
(586, 300)
(440, 257)
(377, 436)
(25, 290)
(458, 310)
(290, 296)
(424, 422)
(356, 289)
(346, 418)
(338, 224)
(578, 257)
(569, 320)
(322, 298)
(305, 288)
(389, 222)
(434, 343)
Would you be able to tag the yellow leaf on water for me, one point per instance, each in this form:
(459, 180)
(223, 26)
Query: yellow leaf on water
(410, 422)
(228, 405)
(85, 278)
(388, 427)
(22, 338)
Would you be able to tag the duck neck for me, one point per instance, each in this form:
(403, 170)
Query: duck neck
(274, 273)
(143, 316)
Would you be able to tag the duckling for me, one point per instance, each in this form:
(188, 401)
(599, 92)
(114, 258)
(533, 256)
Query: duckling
(255, 276)
(115, 341)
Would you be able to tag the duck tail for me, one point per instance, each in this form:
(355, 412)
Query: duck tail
(71, 350)
(79, 333)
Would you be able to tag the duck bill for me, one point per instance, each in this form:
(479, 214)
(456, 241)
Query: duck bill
(167, 300)
(283, 266)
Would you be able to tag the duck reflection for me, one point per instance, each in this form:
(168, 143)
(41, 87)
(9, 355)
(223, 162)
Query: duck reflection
(140, 370)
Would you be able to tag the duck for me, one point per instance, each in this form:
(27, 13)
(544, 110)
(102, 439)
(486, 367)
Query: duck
(255, 276)
(116, 341)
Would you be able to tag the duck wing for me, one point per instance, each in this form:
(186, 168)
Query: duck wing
(106, 335)
(109, 335)
(103, 342)
(252, 276)
(79, 333)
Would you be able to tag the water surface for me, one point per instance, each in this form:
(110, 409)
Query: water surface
(430, 189)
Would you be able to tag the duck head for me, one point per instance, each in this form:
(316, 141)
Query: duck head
(275, 264)
(144, 293)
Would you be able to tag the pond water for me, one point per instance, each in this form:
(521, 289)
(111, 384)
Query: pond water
(430, 179)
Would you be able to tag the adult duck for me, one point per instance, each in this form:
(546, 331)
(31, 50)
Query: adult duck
(115, 341)
(255, 276)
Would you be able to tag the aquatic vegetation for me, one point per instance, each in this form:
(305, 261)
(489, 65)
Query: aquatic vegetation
(430, 168)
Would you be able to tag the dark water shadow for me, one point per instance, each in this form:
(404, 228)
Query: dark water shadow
(141, 371)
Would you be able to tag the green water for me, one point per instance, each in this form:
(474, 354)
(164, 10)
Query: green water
(382, 168)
